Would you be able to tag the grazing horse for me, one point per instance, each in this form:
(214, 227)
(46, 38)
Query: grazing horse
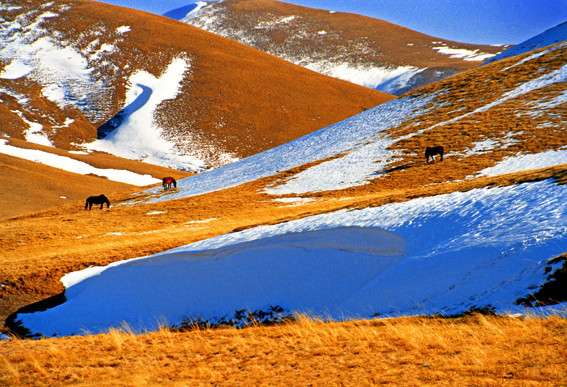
(100, 199)
(431, 151)
(168, 182)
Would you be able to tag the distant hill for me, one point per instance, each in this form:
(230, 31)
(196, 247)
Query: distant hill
(363, 50)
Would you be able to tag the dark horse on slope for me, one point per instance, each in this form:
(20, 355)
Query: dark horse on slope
(100, 199)
(431, 151)
(168, 182)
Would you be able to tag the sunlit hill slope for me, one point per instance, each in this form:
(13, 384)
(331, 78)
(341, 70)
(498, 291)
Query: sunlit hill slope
(72, 71)
(362, 50)
(151, 90)
(481, 231)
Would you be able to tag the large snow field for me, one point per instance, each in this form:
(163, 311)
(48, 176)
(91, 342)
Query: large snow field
(444, 254)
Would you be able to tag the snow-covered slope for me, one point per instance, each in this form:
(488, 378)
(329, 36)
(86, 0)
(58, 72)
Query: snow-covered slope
(366, 51)
(484, 248)
(551, 36)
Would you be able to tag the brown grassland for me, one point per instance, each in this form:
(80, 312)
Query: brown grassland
(475, 350)
(37, 248)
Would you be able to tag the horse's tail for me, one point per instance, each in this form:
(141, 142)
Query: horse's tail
(174, 183)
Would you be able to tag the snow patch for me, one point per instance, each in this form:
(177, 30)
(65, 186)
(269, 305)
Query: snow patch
(527, 162)
(372, 77)
(75, 166)
(461, 53)
(138, 137)
(16, 69)
(123, 29)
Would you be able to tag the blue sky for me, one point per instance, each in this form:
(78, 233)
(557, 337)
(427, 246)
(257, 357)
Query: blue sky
(467, 21)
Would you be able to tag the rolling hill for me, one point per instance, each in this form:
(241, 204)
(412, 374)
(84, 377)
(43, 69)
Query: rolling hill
(72, 72)
(347, 221)
(359, 49)
(127, 90)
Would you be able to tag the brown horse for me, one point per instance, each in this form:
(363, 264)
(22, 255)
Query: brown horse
(168, 182)
(100, 199)
(431, 151)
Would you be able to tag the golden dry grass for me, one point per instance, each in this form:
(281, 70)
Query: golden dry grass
(474, 350)
(37, 248)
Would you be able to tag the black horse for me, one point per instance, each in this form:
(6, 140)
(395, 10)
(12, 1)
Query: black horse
(168, 182)
(431, 151)
(100, 199)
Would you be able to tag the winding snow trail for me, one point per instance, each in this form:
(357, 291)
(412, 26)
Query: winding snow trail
(137, 137)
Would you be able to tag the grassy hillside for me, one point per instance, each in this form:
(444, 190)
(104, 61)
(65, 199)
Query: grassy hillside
(508, 108)
(37, 248)
(234, 101)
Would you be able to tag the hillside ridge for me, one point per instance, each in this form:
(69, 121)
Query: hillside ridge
(367, 51)
(81, 64)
